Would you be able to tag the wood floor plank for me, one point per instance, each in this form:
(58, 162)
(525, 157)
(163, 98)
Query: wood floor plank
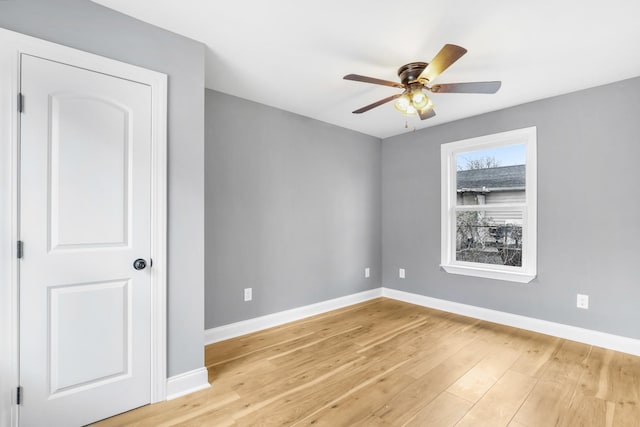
(386, 363)
(479, 379)
(313, 399)
(287, 410)
(596, 377)
(358, 405)
(266, 384)
(498, 406)
(626, 414)
(552, 395)
(623, 379)
(280, 335)
(179, 409)
(584, 411)
(444, 411)
(536, 353)
(421, 391)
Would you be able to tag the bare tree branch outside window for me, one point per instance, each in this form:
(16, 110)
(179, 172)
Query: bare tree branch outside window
(481, 163)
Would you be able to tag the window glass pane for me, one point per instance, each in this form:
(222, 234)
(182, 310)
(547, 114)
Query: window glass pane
(495, 175)
(489, 237)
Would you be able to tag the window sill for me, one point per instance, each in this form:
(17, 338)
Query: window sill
(510, 276)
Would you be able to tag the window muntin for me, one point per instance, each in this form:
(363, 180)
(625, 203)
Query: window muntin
(488, 206)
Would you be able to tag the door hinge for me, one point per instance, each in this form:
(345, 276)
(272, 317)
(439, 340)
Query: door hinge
(19, 395)
(20, 102)
(20, 249)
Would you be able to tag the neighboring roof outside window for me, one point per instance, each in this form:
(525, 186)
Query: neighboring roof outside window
(502, 178)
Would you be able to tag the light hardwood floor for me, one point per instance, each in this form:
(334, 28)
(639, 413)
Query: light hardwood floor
(388, 363)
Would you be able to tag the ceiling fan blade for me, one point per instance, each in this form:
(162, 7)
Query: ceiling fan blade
(377, 104)
(449, 54)
(474, 87)
(426, 113)
(365, 79)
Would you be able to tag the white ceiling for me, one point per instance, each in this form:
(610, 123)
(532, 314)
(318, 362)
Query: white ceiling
(292, 54)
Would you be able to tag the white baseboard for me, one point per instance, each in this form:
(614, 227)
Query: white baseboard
(244, 327)
(188, 382)
(573, 333)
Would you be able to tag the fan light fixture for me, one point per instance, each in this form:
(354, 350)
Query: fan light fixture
(412, 101)
(417, 77)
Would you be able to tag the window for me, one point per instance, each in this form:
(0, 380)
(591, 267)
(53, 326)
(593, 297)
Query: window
(489, 206)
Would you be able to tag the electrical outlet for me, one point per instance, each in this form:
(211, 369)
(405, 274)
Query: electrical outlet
(248, 294)
(401, 273)
(583, 301)
(367, 272)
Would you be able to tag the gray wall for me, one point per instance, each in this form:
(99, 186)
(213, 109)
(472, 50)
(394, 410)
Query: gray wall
(588, 203)
(292, 210)
(87, 26)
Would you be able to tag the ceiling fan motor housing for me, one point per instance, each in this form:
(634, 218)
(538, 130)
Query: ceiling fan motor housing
(410, 72)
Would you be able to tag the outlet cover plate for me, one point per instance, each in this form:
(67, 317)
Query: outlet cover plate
(583, 301)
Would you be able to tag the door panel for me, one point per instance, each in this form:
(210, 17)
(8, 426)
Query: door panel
(89, 198)
(85, 316)
(105, 308)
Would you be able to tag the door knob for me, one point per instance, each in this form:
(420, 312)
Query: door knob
(139, 264)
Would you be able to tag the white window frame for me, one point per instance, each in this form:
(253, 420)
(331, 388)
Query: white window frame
(448, 152)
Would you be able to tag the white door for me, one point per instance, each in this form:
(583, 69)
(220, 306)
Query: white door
(85, 147)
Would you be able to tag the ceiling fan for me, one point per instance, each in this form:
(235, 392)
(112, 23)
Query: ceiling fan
(416, 77)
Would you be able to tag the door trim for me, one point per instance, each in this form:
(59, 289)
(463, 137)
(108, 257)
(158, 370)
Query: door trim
(12, 45)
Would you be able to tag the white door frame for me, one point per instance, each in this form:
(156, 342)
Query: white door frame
(12, 45)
